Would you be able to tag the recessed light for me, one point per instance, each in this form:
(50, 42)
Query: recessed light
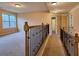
(53, 3)
(17, 5)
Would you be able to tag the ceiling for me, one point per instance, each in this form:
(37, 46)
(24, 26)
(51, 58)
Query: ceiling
(60, 7)
(26, 6)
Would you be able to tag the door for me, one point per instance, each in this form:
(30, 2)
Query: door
(54, 29)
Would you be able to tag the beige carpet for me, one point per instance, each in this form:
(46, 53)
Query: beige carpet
(54, 47)
(12, 45)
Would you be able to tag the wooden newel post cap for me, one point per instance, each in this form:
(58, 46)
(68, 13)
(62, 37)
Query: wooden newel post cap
(76, 34)
(26, 27)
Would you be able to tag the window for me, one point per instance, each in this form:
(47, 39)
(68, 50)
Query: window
(12, 21)
(5, 21)
(8, 21)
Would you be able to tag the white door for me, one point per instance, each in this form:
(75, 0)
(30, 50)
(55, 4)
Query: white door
(54, 25)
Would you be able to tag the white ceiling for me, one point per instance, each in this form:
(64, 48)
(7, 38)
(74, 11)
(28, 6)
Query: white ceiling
(26, 6)
(61, 7)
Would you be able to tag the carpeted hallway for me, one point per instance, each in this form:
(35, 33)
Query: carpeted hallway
(54, 47)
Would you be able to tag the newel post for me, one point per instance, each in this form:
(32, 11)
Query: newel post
(76, 44)
(26, 29)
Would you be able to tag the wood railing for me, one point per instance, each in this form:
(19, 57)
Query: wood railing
(70, 42)
(35, 36)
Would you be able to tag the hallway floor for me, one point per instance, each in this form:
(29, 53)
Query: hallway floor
(54, 47)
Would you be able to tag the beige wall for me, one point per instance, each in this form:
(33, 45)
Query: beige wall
(75, 16)
(36, 18)
(63, 21)
(0, 19)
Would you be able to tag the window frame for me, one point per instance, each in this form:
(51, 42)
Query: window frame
(5, 31)
(9, 14)
(5, 21)
(13, 21)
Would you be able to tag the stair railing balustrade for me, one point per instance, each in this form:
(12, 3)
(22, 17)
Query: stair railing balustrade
(70, 42)
(35, 36)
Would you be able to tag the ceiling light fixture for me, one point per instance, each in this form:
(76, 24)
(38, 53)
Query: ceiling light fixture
(17, 5)
(53, 3)
(57, 11)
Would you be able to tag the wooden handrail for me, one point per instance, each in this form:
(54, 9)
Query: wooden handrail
(34, 26)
